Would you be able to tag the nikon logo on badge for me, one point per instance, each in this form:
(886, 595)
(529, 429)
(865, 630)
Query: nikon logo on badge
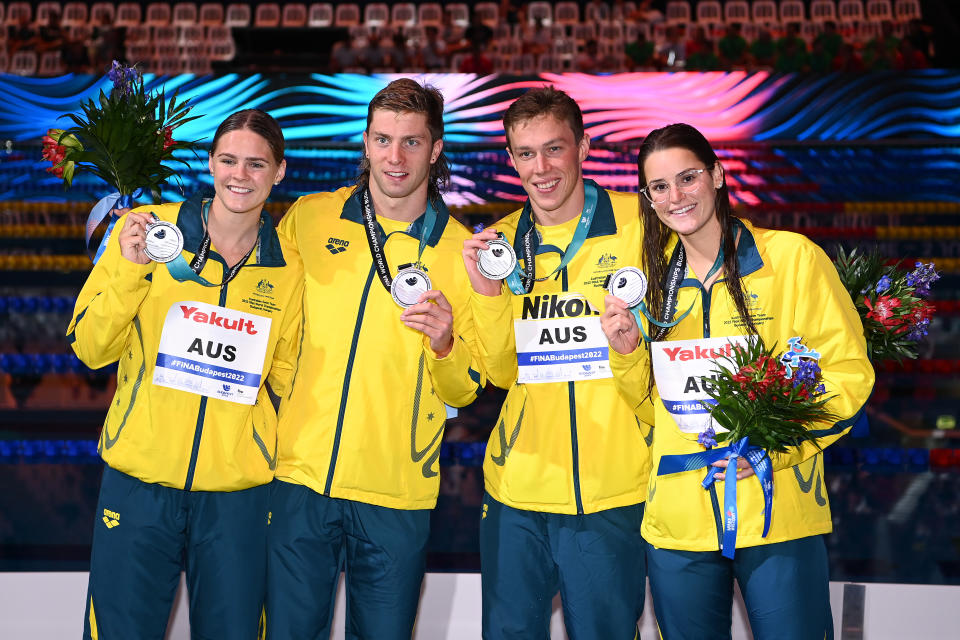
(191, 313)
(553, 306)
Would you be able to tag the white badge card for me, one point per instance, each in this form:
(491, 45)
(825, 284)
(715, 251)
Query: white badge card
(212, 351)
(683, 370)
(561, 349)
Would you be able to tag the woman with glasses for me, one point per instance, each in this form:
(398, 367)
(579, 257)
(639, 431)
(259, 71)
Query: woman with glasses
(715, 279)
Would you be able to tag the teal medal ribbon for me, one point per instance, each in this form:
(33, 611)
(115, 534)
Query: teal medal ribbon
(374, 230)
(675, 274)
(521, 281)
(182, 272)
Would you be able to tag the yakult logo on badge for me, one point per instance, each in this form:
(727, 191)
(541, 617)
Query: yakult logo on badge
(219, 320)
(698, 353)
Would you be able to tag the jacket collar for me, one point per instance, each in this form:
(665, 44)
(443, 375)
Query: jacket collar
(604, 222)
(748, 256)
(190, 222)
(353, 211)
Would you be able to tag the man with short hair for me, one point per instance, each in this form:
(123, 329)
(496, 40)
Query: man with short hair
(567, 463)
(386, 342)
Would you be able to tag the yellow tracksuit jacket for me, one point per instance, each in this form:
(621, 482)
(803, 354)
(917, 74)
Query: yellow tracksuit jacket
(563, 447)
(793, 290)
(365, 414)
(167, 436)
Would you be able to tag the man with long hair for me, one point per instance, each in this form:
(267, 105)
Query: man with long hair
(386, 342)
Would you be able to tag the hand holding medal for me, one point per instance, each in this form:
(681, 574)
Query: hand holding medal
(473, 249)
(132, 238)
(626, 288)
(432, 316)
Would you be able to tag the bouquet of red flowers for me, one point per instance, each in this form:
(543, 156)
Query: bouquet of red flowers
(124, 138)
(892, 302)
(770, 399)
(765, 403)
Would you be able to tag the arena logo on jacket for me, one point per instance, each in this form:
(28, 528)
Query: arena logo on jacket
(559, 339)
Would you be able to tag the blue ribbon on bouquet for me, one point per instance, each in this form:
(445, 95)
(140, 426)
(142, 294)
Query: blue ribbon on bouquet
(762, 467)
(100, 212)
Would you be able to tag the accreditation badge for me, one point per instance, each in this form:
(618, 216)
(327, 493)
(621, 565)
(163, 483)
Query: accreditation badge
(629, 284)
(408, 285)
(164, 241)
(498, 261)
(559, 339)
(212, 351)
(684, 371)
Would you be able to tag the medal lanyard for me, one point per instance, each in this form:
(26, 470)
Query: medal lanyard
(675, 274)
(521, 282)
(181, 271)
(373, 237)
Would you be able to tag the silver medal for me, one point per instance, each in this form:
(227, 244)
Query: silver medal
(497, 262)
(407, 286)
(628, 284)
(164, 241)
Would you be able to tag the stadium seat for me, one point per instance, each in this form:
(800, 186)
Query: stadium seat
(403, 15)
(879, 10)
(347, 14)
(294, 15)
(850, 12)
(211, 14)
(184, 14)
(320, 14)
(709, 12)
(237, 15)
(128, 14)
(764, 13)
(489, 13)
(430, 14)
(17, 9)
(735, 11)
(23, 63)
(792, 11)
(566, 13)
(376, 14)
(158, 14)
(678, 12)
(267, 15)
(906, 10)
(823, 11)
(540, 13)
(100, 9)
(459, 14)
(74, 13)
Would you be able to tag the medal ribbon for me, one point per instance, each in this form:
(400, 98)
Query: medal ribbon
(373, 237)
(181, 271)
(521, 282)
(762, 467)
(671, 289)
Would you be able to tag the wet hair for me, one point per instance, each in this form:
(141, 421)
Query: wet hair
(656, 235)
(407, 96)
(257, 121)
(540, 102)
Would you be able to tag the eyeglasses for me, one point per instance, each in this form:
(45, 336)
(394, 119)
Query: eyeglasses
(658, 191)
